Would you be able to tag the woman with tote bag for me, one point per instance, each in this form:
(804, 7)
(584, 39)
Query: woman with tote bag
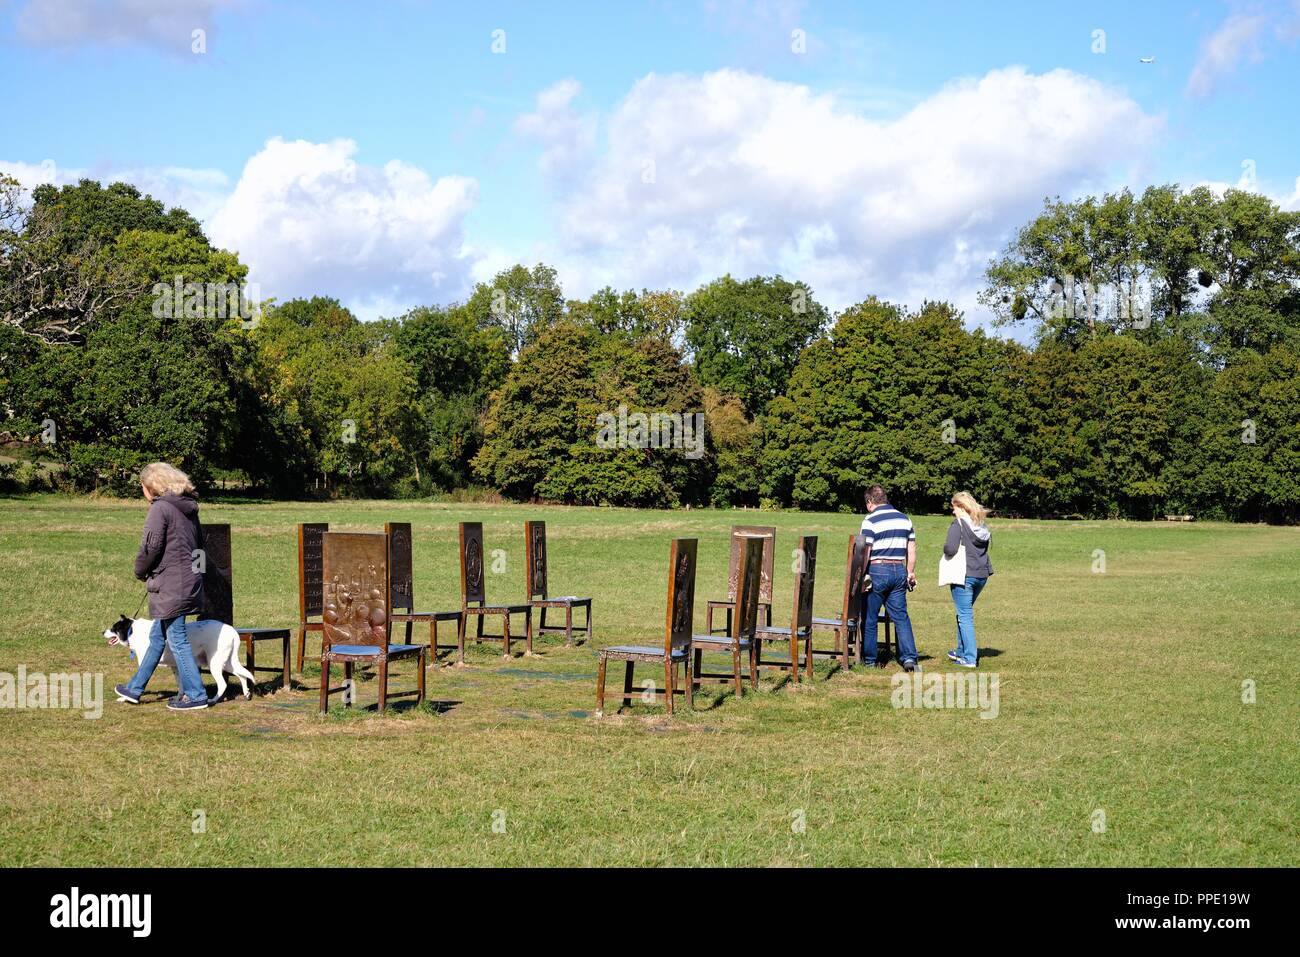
(965, 569)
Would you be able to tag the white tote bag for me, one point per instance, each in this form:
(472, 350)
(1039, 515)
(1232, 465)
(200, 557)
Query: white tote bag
(952, 571)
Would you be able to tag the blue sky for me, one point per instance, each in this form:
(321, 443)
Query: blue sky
(384, 153)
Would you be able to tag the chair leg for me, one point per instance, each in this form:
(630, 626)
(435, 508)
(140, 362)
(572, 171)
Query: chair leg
(669, 690)
(288, 661)
(383, 686)
(568, 626)
(419, 680)
(690, 683)
(627, 684)
(302, 644)
(528, 631)
(753, 665)
(808, 654)
(794, 657)
(250, 655)
(842, 641)
(460, 639)
(433, 641)
(735, 667)
(698, 666)
(350, 692)
(600, 686)
(589, 631)
(505, 632)
(324, 684)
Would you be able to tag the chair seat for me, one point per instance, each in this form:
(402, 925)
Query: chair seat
(643, 650)
(496, 609)
(425, 615)
(263, 632)
(562, 599)
(372, 650)
(829, 622)
(717, 640)
(779, 630)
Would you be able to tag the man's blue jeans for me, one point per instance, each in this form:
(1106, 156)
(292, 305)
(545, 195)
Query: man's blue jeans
(888, 588)
(963, 596)
(187, 669)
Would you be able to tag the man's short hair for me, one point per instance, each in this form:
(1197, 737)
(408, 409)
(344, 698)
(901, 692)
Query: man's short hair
(876, 495)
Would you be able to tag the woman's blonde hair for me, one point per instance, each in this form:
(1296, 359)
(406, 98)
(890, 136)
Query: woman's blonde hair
(161, 478)
(966, 502)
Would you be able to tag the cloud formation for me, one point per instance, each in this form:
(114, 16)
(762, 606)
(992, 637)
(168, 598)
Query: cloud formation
(166, 25)
(732, 171)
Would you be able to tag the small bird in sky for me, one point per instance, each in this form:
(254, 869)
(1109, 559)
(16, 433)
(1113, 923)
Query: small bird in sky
(1147, 59)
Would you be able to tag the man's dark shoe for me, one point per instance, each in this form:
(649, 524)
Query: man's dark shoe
(909, 666)
(123, 694)
(182, 703)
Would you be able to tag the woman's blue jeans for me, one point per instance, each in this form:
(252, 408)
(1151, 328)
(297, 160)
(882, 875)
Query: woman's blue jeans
(187, 669)
(964, 596)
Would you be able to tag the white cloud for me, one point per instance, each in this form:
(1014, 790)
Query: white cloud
(163, 24)
(1236, 38)
(753, 175)
(309, 219)
(566, 132)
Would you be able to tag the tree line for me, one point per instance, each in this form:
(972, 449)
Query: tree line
(1160, 373)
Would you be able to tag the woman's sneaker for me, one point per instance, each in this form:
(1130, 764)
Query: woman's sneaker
(963, 663)
(953, 656)
(182, 703)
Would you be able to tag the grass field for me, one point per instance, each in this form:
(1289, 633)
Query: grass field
(1120, 692)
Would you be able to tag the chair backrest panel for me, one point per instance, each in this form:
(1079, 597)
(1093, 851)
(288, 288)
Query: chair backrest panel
(738, 534)
(749, 581)
(218, 582)
(311, 570)
(471, 563)
(535, 559)
(855, 566)
(356, 588)
(401, 575)
(805, 578)
(680, 615)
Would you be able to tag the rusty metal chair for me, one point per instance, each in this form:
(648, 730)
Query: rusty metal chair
(740, 642)
(473, 594)
(219, 601)
(535, 567)
(402, 595)
(678, 625)
(801, 616)
(355, 615)
(738, 534)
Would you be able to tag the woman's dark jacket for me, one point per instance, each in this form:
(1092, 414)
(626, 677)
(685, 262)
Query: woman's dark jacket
(166, 562)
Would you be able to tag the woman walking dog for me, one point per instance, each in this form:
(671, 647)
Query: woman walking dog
(172, 538)
(968, 533)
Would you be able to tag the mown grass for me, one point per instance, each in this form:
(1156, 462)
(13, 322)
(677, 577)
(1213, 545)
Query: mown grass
(1119, 692)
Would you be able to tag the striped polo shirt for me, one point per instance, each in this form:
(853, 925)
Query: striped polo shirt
(887, 531)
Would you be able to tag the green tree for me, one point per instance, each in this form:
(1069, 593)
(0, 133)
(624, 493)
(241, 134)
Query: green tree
(520, 302)
(745, 337)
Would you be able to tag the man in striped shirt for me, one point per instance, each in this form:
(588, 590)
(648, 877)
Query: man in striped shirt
(891, 557)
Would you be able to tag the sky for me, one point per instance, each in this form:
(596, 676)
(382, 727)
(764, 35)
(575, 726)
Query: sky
(393, 153)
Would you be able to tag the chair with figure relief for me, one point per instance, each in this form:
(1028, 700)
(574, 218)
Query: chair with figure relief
(738, 534)
(355, 615)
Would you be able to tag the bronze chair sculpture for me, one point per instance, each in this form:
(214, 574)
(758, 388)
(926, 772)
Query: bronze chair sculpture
(473, 594)
(219, 600)
(355, 614)
(738, 534)
(801, 618)
(848, 626)
(678, 625)
(744, 620)
(402, 595)
(309, 582)
(535, 566)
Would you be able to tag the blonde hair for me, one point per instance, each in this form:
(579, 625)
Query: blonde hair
(966, 502)
(161, 478)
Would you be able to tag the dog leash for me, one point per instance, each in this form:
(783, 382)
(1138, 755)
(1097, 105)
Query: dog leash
(143, 599)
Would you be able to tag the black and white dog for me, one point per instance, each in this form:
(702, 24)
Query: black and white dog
(215, 645)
